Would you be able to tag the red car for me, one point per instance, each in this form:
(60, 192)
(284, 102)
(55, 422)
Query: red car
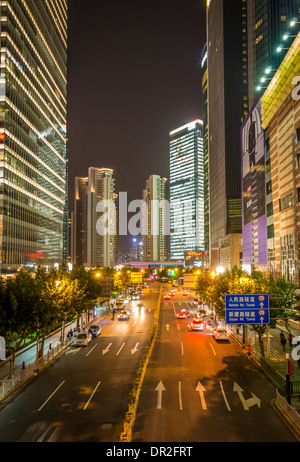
(182, 314)
(167, 297)
(197, 324)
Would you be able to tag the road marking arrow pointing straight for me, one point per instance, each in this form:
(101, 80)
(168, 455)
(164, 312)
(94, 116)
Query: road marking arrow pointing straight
(160, 388)
(200, 388)
(106, 349)
(254, 401)
(168, 326)
(135, 349)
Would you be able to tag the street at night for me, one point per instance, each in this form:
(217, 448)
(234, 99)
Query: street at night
(150, 227)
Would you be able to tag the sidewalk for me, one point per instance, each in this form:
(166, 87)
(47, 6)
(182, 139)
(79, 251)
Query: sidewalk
(26, 364)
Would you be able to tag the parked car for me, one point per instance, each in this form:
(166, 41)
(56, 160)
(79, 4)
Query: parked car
(82, 339)
(96, 330)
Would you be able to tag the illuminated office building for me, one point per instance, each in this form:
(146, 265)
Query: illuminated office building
(227, 105)
(186, 190)
(269, 33)
(33, 157)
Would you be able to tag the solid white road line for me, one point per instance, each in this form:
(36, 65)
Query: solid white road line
(51, 396)
(91, 349)
(213, 349)
(180, 398)
(224, 396)
(120, 349)
(88, 402)
(181, 349)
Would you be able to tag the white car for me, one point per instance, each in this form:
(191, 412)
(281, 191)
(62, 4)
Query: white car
(82, 339)
(221, 334)
(96, 330)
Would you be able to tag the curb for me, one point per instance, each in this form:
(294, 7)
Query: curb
(289, 422)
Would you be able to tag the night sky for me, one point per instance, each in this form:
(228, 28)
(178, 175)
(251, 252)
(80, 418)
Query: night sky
(134, 74)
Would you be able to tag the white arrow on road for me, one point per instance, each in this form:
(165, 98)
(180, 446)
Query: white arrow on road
(254, 401)
(135, 349)
(106, 349)
(200, 388)
(168, 326)
(160, 388)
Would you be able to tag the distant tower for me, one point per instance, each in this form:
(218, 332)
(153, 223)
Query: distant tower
(101, 249)
(154, 240)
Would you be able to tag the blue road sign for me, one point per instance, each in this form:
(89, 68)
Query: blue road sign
(247, 309)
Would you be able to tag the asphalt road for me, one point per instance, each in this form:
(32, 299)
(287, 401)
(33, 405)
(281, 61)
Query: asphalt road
(83, 395)
(197, 389)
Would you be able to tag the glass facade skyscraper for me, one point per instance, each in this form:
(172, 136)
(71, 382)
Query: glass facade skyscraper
(268, 28)
(33, 154)
(186, 190)
(227, 96)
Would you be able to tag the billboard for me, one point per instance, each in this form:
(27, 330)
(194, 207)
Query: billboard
(254, 190)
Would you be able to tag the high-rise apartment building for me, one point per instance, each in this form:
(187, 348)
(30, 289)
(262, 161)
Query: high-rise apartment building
(102, 236)
(154, 219)
(269, 32)
(227, 92)
(33, 158)
(186, 190)
(79, 224)
(95, 220)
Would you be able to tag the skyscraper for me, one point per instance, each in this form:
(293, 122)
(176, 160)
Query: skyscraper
(205, 152)
(33, 170)
(79, 225)
(101, 221)
(268, 29)
(227, 77)
(154, 239)
(186, 190)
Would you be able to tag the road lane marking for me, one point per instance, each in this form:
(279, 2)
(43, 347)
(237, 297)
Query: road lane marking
(224, 396)
(181, 349)
(91, 349)
(174, 308)
(120, 349)
(51, 396)
(135, 349)
(160, 388)
(134, 323)
(178, 327)
(180, 397)
(200, 388)
(106, 349)
(213, 349)
(254, 401)
(91, 397)
(116, 322)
